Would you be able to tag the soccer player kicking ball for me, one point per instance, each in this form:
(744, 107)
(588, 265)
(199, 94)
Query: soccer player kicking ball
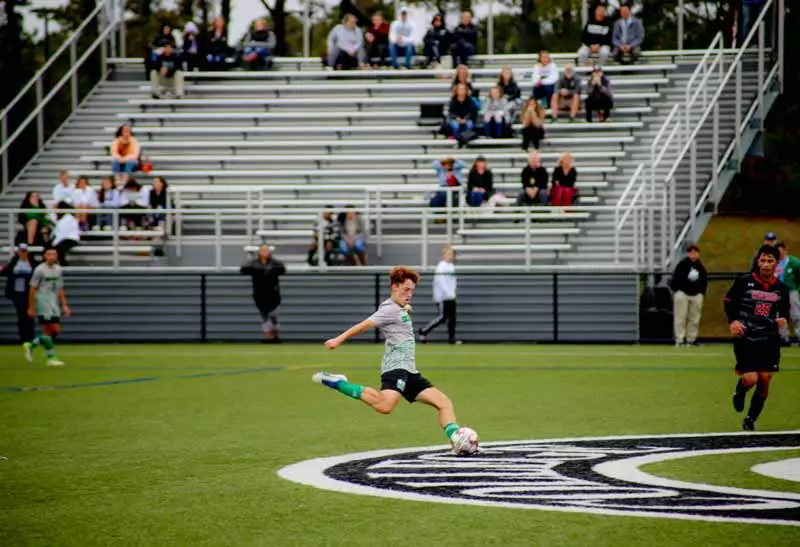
(46, 301)
(757, 305)
(399, 375)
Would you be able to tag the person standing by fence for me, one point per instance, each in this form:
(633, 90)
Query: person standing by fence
(444, 294)
(18, 274)
(689, 284)
(264, 272)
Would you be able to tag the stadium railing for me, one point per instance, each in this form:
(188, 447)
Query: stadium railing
(106, 16)
(774, 9)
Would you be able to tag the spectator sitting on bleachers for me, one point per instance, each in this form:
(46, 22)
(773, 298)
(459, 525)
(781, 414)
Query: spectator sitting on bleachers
(167, 74)
(163, 38)
(545, 76)
(158, 200)
(563, 190)
(401, 39)
(596, 37)
(352, 243)
(134, 199)
(462, 76)
(331, 237)
(126, 151)
(628, 36)
(190, 52)
(448, 171)
(480, 183)
(108, 197)
(599, 97)
(377, 37)
(534, 182)
(568, 93)
(33, 218)
(215, 46)
(461, 113)
(437, 41)
(258, 46)
(465, 40)
(495, 113)
(511, 92)
(532, 118)
(84, 198)
(66, 234)
(346, 45)
(62, 191)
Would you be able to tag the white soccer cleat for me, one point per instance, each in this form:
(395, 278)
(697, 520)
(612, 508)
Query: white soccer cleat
(55, 363)
(328, 379)
(26, 347)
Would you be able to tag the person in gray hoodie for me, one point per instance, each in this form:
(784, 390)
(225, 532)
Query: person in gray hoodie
(628, 36)
(346, 45)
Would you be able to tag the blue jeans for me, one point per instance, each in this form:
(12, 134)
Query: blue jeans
(476, 199)
(120, 167)
(358, 245)
(493, 128)
(407, 51)
(459, 128)
(750, 13)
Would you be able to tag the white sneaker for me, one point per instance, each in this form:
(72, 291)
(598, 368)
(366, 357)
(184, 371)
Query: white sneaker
(26, 347)
(55, 363)
(328, 379)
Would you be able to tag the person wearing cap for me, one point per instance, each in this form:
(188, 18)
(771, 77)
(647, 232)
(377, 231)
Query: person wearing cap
(770, 240)
(788, 271)
(598, 96)
(568, 93)
(401, 39)
(628, 36)
(689, 285)
(18, 273)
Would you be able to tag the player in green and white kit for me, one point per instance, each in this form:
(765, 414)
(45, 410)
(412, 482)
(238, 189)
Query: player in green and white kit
(399, 375)
(47, 301)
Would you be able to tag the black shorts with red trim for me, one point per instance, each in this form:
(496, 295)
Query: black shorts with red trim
(762, 356)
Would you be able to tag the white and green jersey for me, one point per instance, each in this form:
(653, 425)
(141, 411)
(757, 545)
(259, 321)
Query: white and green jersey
(396, 326)
(48, 280)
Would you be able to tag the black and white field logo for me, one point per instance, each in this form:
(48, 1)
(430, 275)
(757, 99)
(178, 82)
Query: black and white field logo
(590, 475)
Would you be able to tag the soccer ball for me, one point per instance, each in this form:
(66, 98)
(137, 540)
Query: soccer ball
(465, 441)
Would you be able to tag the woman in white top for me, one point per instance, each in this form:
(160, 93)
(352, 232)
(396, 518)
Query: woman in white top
(107, 198)
(84, 197)
(66, 235)
(545, 77)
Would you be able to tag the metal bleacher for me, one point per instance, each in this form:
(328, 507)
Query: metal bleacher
(298, 138)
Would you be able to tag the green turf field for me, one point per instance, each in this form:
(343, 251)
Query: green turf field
(180, 445)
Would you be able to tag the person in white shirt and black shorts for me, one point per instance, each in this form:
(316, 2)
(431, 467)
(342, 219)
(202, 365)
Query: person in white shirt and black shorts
(444, 294)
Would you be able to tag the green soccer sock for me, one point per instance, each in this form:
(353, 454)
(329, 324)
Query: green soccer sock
(351, 390)
(450, 428)
(35, 342)
(47, 342)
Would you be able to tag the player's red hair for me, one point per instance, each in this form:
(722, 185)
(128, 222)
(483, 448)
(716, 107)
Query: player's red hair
(399, 274)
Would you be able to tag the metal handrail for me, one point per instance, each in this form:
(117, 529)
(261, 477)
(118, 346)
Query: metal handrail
(703, 199)
(73, 39)
(71, 76)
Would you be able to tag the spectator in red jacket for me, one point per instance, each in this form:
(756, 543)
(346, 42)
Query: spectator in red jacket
(563, 191)
(377, 38)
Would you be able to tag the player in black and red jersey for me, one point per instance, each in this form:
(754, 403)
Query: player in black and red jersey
(757, 306)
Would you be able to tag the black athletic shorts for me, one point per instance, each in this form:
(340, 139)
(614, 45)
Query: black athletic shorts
(267, 305)
(408, 384)
(49, 320)
(757, 356)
